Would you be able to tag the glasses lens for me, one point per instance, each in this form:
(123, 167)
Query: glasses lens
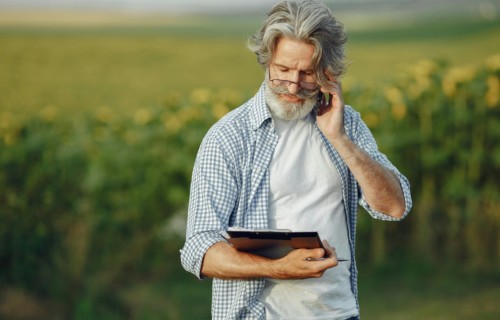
(287, 83)
(281, 83)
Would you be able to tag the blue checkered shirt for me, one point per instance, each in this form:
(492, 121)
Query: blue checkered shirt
(230, 187)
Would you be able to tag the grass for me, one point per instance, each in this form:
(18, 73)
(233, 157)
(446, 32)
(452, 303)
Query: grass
(385, 293)
(428, 294)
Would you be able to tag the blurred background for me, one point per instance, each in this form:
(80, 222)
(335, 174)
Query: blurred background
(103, 105)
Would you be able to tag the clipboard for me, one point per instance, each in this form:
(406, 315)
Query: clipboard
(272, 243)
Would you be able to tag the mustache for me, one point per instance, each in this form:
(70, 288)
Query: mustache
(301, 94)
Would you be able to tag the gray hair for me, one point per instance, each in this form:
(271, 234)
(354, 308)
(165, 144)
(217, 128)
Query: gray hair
(307, 21)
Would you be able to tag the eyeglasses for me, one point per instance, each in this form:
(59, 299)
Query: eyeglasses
(311, 86)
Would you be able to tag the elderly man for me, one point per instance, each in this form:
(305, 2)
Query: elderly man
(296, 157)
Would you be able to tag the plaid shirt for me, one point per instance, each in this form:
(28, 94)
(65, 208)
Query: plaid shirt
(230, 187)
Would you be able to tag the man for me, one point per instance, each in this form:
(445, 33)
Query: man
(294, 157)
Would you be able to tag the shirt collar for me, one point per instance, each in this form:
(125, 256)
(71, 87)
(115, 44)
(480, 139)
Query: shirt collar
(260, 112)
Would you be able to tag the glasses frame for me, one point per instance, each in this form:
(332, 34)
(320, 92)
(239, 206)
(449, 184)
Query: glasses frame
(286, 83)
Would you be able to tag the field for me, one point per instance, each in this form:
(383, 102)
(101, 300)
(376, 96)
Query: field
(384, 294)
(101, 117)
(124, 68)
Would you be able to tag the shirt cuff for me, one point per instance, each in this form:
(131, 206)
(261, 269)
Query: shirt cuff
(382, 216)
(194, 251)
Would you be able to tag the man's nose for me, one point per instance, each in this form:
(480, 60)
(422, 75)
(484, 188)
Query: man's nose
(294, 87)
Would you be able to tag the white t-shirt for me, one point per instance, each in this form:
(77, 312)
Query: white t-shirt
(306, 195)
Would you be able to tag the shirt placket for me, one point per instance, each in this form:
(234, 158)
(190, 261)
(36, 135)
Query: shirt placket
(265, 143)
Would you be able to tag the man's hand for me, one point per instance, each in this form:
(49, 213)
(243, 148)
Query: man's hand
(331, 110)
(305, 263)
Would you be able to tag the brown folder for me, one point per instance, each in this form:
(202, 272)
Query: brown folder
(272, 243)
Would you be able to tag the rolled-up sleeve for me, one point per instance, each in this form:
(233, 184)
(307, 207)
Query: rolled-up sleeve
(213, 195)
(405, 187)
(366, 141)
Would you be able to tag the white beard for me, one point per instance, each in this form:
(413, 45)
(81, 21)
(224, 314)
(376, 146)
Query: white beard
(288, 110)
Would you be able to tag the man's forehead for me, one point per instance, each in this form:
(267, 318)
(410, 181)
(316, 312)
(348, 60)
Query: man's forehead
(283, 65)
(294, 54)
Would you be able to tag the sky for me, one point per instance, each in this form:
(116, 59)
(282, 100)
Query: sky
(172, 6)
(238, 6)
(140, 5)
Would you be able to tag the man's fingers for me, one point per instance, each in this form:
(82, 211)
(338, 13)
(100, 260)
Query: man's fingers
(330, 251)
